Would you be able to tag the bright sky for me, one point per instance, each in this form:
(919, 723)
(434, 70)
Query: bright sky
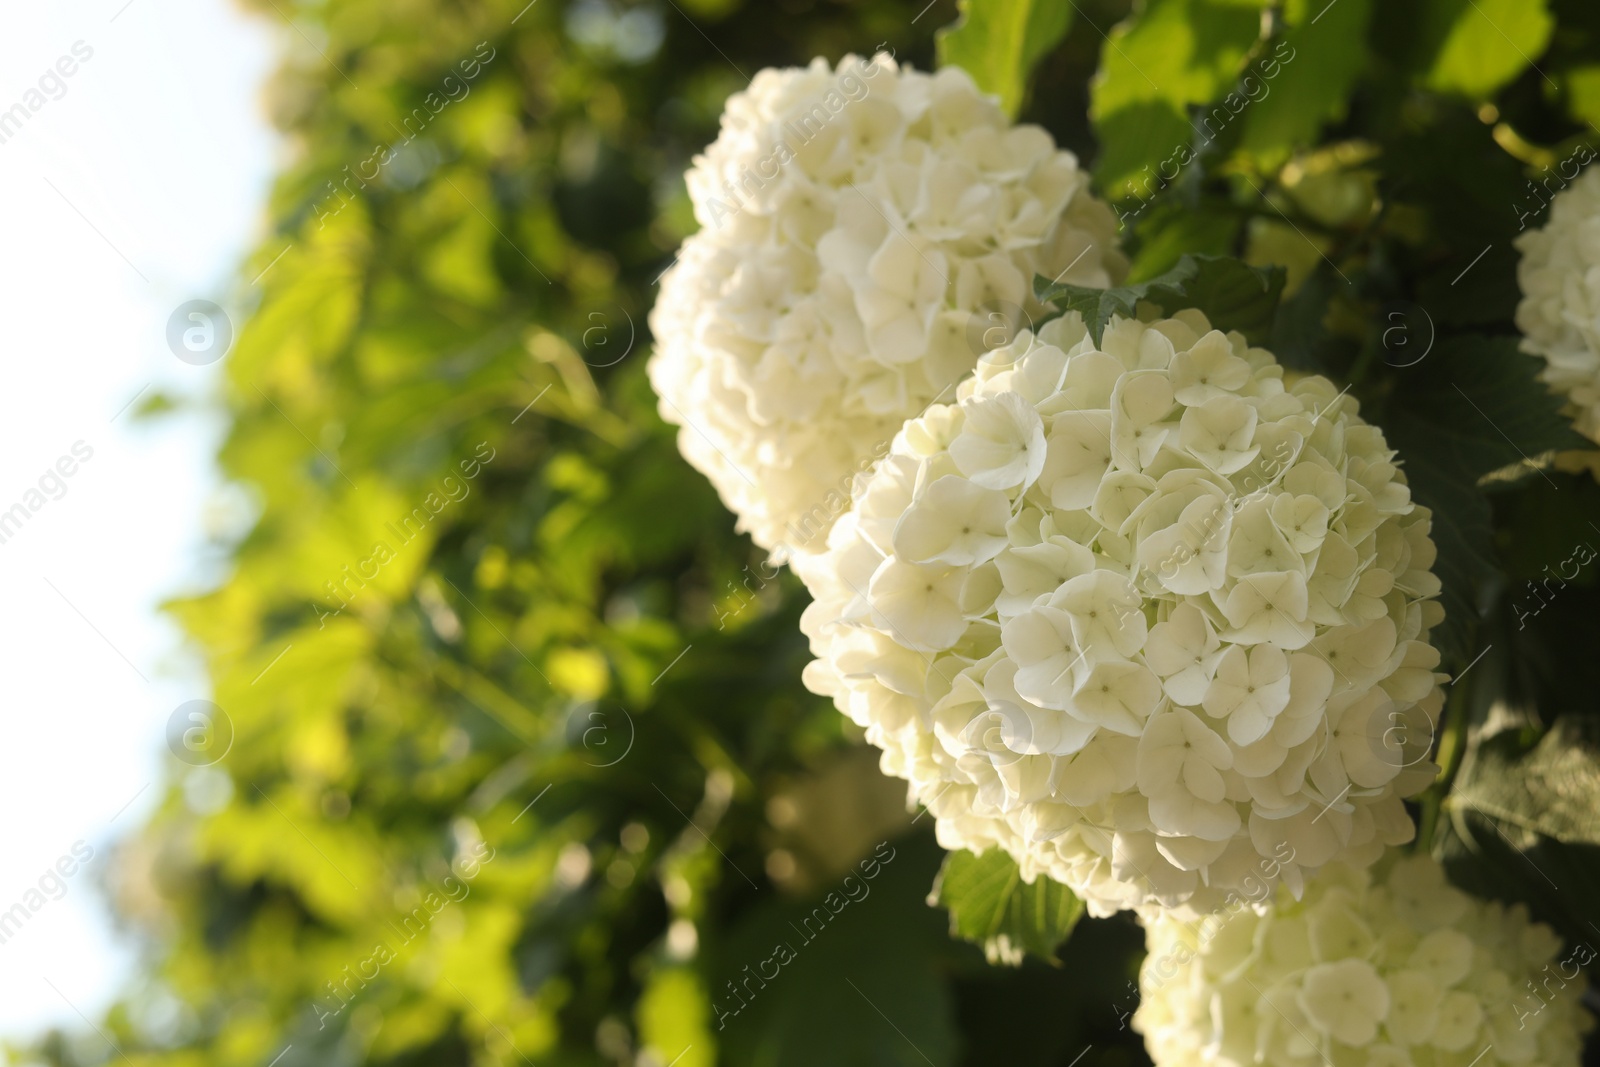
(136, 186)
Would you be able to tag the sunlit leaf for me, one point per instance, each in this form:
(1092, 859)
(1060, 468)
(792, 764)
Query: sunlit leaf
(1474, 47)
(999, 42)
(1304, 80)
(991, 906)
(1169, 55)
(1525, 827)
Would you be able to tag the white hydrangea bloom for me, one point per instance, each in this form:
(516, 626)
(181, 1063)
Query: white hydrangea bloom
(852, 222)
(1141, 614)
(1559, 315)
(1393, 967)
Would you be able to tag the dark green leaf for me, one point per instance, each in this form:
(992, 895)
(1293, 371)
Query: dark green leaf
(1231, 293)
(1461, 532)
(1096, 967)
(1541, 627)
(1482, 406)
(1468, 278)
(990, 905)
(1097, 306)
(860, 954)
(1300, 339)
(1471, 407)
(1169, 229)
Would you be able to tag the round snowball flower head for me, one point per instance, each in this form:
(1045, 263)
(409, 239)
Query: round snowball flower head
(867, 232)
(1559, 315)
(1391, 967)
(1141, 614)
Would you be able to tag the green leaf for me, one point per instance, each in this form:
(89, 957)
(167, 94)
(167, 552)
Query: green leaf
(1525, 824)
(1583, 94)
(1540, 524)
(999, 42)
(1136, 142)
(1169, 229)
(1542, 665)
(990, 905)
(1172, 54)
(1475, 47)
(1549, 790)
(1483, 406)
(1471, 407)
(859, 954)
(674, 1012)
(1300, 339)
(1096, 967)
(1317, 64)
(1462, 533)
(1475, 211)
(1233, 295)
(1097, 306)
(156, 405)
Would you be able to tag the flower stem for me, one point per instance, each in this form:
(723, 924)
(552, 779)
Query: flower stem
(1452, 747)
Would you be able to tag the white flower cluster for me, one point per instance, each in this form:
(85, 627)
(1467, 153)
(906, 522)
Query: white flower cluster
(853, 220)
(1559, 315)
(1141, 614)
(1399, 969)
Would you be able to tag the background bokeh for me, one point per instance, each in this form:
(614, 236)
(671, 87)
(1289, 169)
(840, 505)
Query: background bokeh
(508, 760)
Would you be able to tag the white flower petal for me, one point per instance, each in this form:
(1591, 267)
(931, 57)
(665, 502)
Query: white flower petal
(1002, 445)
(955, 521)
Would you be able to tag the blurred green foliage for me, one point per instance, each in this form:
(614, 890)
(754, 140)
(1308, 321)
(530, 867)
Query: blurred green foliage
(481, 608)
(523, 771)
